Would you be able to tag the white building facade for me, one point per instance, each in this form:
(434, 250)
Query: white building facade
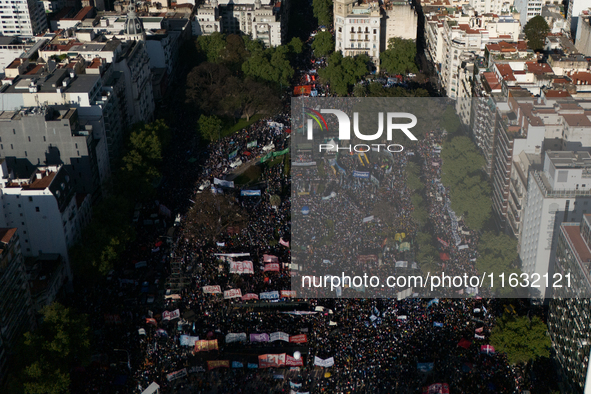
(358, 29)
(22, 17)
(560, 193)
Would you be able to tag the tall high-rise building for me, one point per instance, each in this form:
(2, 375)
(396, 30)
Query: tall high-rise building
(22, 18)
(569, 319)
(575, 8)
(16, 312)
(560, 193)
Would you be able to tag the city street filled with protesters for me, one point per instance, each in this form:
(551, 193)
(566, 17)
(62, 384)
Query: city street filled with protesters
(229, 319)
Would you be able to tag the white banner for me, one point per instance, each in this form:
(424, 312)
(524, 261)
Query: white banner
(329, 362)
(367, 219)
(279, 336)
(211, 290)
(221, 182)
(232, 254)
(166, 315)
(233, 293)
(241, 267)
(236, 337)
(177, 375)
(187, 340)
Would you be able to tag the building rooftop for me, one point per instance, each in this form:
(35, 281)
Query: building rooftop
(6, 235)
(579, 246)
(568, 159)
(538, 68)
(577, 120)
(557, 94)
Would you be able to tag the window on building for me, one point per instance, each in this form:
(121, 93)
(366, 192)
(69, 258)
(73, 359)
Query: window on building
(30, 199)
(37, 209)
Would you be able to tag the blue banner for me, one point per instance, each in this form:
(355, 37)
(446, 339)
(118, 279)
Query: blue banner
(361, 174)
(425, 367)
(271, 295)
(250, 192)
(253, 366)
(236, 364)
(435, 324)
(233, 154)
(432, 302)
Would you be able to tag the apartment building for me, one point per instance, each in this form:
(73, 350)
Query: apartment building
(22, 18)
(568, 317)
(561, 192)
(16, 307)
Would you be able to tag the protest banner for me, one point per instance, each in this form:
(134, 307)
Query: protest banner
(232, 293)
(236, 337)
(279, 336)
(271, 360)
(212, 364)
(250, 296)
(223, 183)
(211, 290)
(241, 267)
(259, 337)
(206, 345)
(270, 295)
(329, 362)
(269, 258)
(425, 367)
(187, 340)
(293, 362)
(288, 294)
(176, 375)
(436, 388)
(301, 338)
(166, 315)
(272, 267)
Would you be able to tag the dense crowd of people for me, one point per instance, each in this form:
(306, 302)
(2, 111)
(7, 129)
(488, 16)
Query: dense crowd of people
(309, 214)
(377, 345)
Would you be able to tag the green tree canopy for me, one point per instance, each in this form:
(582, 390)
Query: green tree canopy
(270, 65)
(360, 90)
(61, 342)
(343, 72)
(209, 127)
(233, 53)
(450, 120)
(141, 164)
(296, 45)
(536, 31)
(426, 252)
(399, 58)
(323, 12)
(211, 46)
(521, 339)
(461, 172)
(323, 44)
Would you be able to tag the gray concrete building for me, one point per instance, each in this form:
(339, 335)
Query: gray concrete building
(55, 135)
